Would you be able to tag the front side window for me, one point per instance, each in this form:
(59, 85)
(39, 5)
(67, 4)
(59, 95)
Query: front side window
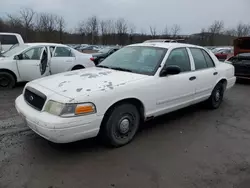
(180, 58)
(199, 59)
(33, 53)
(137, 59)
(63, 52)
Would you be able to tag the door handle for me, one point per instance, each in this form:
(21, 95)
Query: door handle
(192, 78)
(215, 73)
(69, 61)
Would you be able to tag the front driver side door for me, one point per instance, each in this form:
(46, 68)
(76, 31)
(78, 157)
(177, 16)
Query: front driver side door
(176, 91)
(32, 64)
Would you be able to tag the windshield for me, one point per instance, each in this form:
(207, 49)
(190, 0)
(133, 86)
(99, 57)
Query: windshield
(14, 50)
(104, 50)
(136, 59)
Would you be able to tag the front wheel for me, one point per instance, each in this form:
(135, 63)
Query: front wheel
(120, 125)
(216, 97)
(7, 80)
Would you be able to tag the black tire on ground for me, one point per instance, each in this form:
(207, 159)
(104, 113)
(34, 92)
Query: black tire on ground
(216, 97)
(7, 80)
(120, 125)
(77, 67)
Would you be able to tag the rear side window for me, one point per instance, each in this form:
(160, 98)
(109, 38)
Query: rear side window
(208, 59)
(8, 39)
(63, 52)
(199, 59)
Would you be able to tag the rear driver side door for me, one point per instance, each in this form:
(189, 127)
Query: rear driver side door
(205, 73)
(62, 59)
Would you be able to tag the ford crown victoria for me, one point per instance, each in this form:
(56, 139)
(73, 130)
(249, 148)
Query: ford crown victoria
(135, 84)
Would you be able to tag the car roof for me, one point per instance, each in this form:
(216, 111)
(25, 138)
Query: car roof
(44, 44)
(166, 45)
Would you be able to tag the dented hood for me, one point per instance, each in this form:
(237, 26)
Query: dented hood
(85, 81)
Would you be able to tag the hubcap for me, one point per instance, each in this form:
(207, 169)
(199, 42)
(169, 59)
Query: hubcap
(4, 82)
(124, 126)
(217, 96)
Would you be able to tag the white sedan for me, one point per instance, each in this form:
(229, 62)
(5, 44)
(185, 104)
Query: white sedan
(135, 84)
(31, 61)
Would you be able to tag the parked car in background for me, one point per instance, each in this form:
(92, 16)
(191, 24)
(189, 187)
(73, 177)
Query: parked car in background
(89, 49)
(164, 40)
(241, 62)
(9, 40)
(135, 84)
(241, 45)
(102, 54)
(35, 60)
(223, 54)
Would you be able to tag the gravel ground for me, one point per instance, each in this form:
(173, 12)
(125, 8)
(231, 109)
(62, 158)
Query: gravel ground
(193, 147)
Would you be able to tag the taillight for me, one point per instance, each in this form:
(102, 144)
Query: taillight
(92, 59)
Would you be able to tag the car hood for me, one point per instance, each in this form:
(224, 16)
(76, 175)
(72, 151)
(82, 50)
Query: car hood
(4, 59)
(85, 81)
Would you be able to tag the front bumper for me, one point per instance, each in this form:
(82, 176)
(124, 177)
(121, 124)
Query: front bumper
(55, 128)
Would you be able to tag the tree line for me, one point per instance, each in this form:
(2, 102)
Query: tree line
(48, 27)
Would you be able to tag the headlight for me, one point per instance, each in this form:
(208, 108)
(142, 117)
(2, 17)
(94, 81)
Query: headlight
(69, 110)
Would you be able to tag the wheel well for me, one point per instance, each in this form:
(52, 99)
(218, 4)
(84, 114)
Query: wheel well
(224, 82)
(136, 102)
(78, 67)
(9, 71)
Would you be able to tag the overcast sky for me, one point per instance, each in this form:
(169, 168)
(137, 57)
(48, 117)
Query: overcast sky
(191, 15)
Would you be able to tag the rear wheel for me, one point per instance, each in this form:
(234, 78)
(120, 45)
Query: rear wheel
(216, 97)
(120, 125)
(7, 80)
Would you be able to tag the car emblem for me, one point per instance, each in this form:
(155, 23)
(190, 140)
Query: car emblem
(31, 98)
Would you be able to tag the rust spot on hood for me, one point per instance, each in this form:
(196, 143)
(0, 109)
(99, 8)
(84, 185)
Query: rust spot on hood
(89, 75)
(79, 89)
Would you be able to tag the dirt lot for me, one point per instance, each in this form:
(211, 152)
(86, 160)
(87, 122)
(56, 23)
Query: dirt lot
(194, 147)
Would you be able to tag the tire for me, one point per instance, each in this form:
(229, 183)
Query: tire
(7, 80)
(120, 125)
(77, 67)
(216, 97)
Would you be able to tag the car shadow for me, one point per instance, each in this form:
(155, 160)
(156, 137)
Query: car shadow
(243, 81)
(96, 144)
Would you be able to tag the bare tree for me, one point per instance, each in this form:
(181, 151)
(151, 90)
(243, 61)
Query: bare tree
(217, 27)
(230, 32)
(132, 30)
(242, 30)
(121, 29)
(27, 18)
(153, 31)
(81, 30)
(61, 26)
(175, 30)
(92, 28)
(47, 26)
(166, 32)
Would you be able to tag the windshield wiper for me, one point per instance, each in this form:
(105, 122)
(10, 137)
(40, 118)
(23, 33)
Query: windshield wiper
(103, 66)
(121, 69)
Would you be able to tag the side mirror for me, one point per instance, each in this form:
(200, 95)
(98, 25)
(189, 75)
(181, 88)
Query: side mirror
(170, 70)
(18, 57)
